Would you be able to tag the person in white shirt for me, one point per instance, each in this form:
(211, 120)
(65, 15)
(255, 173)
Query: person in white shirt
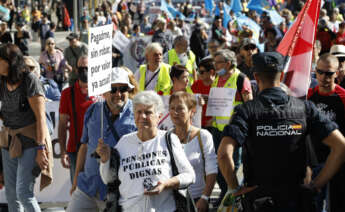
(198, 146)
(145, 168)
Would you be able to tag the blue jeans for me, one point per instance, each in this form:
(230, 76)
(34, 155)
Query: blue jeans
(19, 181)
(73, 163)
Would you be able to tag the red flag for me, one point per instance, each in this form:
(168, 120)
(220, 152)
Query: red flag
(297, 44)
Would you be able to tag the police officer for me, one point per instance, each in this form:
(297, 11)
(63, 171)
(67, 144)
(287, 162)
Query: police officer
(272, 129)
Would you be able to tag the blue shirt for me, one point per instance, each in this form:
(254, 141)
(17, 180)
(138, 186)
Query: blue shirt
(89, 181)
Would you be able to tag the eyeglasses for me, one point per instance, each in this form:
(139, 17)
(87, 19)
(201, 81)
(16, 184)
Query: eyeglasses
(201, 72)
(177, 109)
(122, 89)
(51, 44)
(327, 73)
(218, 62)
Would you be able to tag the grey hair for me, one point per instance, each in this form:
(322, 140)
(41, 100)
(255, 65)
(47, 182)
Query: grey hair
(37, 70)
(228, 55)
(153, 46)
(149, 98)
(180, 38)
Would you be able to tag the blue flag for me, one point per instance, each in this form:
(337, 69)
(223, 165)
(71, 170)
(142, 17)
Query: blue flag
(275, 17)
(209, 5)
(259, 5)
(226, 15)
(236, 6)
(217, 11)
(171, 11)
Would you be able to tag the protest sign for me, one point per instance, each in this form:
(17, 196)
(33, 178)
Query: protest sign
(220, 101)
(100, 59)
(120, 41)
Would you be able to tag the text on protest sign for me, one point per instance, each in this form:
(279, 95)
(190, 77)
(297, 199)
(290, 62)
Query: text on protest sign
(220, 102)
(100, 59)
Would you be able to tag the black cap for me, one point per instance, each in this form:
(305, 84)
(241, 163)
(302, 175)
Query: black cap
(72, 36)
(268, 62)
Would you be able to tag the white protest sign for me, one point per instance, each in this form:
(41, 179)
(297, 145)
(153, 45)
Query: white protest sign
(166, 123)
(120, 41)
(100, 59)
(220, 101)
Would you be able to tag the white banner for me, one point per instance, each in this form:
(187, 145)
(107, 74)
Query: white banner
(165, 123)
(220, 101)
(120, 41)
(100, 59)
(134, 53)
(58, 191)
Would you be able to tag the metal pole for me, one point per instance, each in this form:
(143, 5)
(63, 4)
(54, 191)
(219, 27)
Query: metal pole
(102, 118)
(75, 16)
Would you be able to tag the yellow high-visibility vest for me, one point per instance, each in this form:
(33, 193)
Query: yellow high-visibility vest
(163, 81)
(173, 58)
(221, 121)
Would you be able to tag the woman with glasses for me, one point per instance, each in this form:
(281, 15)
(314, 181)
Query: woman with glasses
(202, 86)
(26, 148)
(53, 62)
(145, 169)
(198, 146)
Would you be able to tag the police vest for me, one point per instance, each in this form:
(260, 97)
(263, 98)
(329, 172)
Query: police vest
(274, 153)
(169, 91)
(163, 81)
(173, 58)
(221, 121)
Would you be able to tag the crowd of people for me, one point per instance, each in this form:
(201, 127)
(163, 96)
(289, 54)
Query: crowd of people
(291, 150)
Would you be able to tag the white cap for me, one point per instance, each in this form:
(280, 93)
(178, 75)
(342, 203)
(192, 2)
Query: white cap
(119, 75)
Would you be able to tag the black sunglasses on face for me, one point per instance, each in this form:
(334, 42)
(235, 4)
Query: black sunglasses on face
(327, 73)
(249, 47)
(122, 89)
(82, 69)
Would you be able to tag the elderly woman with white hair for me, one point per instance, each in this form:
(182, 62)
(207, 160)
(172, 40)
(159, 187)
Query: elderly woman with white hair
(145, 169)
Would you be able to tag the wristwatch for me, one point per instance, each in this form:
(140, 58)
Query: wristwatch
(205, 197)
(41, 147)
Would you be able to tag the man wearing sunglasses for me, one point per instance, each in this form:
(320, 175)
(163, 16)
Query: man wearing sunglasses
(88, 190)
(73, 104)
(247, 50)
(329, 98)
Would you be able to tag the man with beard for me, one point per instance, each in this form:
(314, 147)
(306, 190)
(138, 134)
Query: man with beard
(88, 190)
(329, 98)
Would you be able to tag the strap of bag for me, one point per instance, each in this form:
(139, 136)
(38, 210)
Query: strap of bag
(201, 145)
(111, 126)
(146, 84)
(74, 114)
(172, 159)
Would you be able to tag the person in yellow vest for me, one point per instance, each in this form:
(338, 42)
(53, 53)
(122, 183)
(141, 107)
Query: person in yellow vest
(179, 76)
(228, 76)
(180, 54)
(154, 75)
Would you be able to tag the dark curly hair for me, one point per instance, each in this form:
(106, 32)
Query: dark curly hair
(17, 68)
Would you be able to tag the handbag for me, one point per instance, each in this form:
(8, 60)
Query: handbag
(184, 203)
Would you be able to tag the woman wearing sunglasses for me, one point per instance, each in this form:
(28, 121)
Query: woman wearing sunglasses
(53, 62)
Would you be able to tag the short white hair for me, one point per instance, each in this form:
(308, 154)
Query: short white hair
(153, 46)
(149, 98)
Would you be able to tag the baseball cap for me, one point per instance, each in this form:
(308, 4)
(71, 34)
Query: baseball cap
(120, 75)
(338, 50)
(72, 36)
(268, 62)
(248, 41)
